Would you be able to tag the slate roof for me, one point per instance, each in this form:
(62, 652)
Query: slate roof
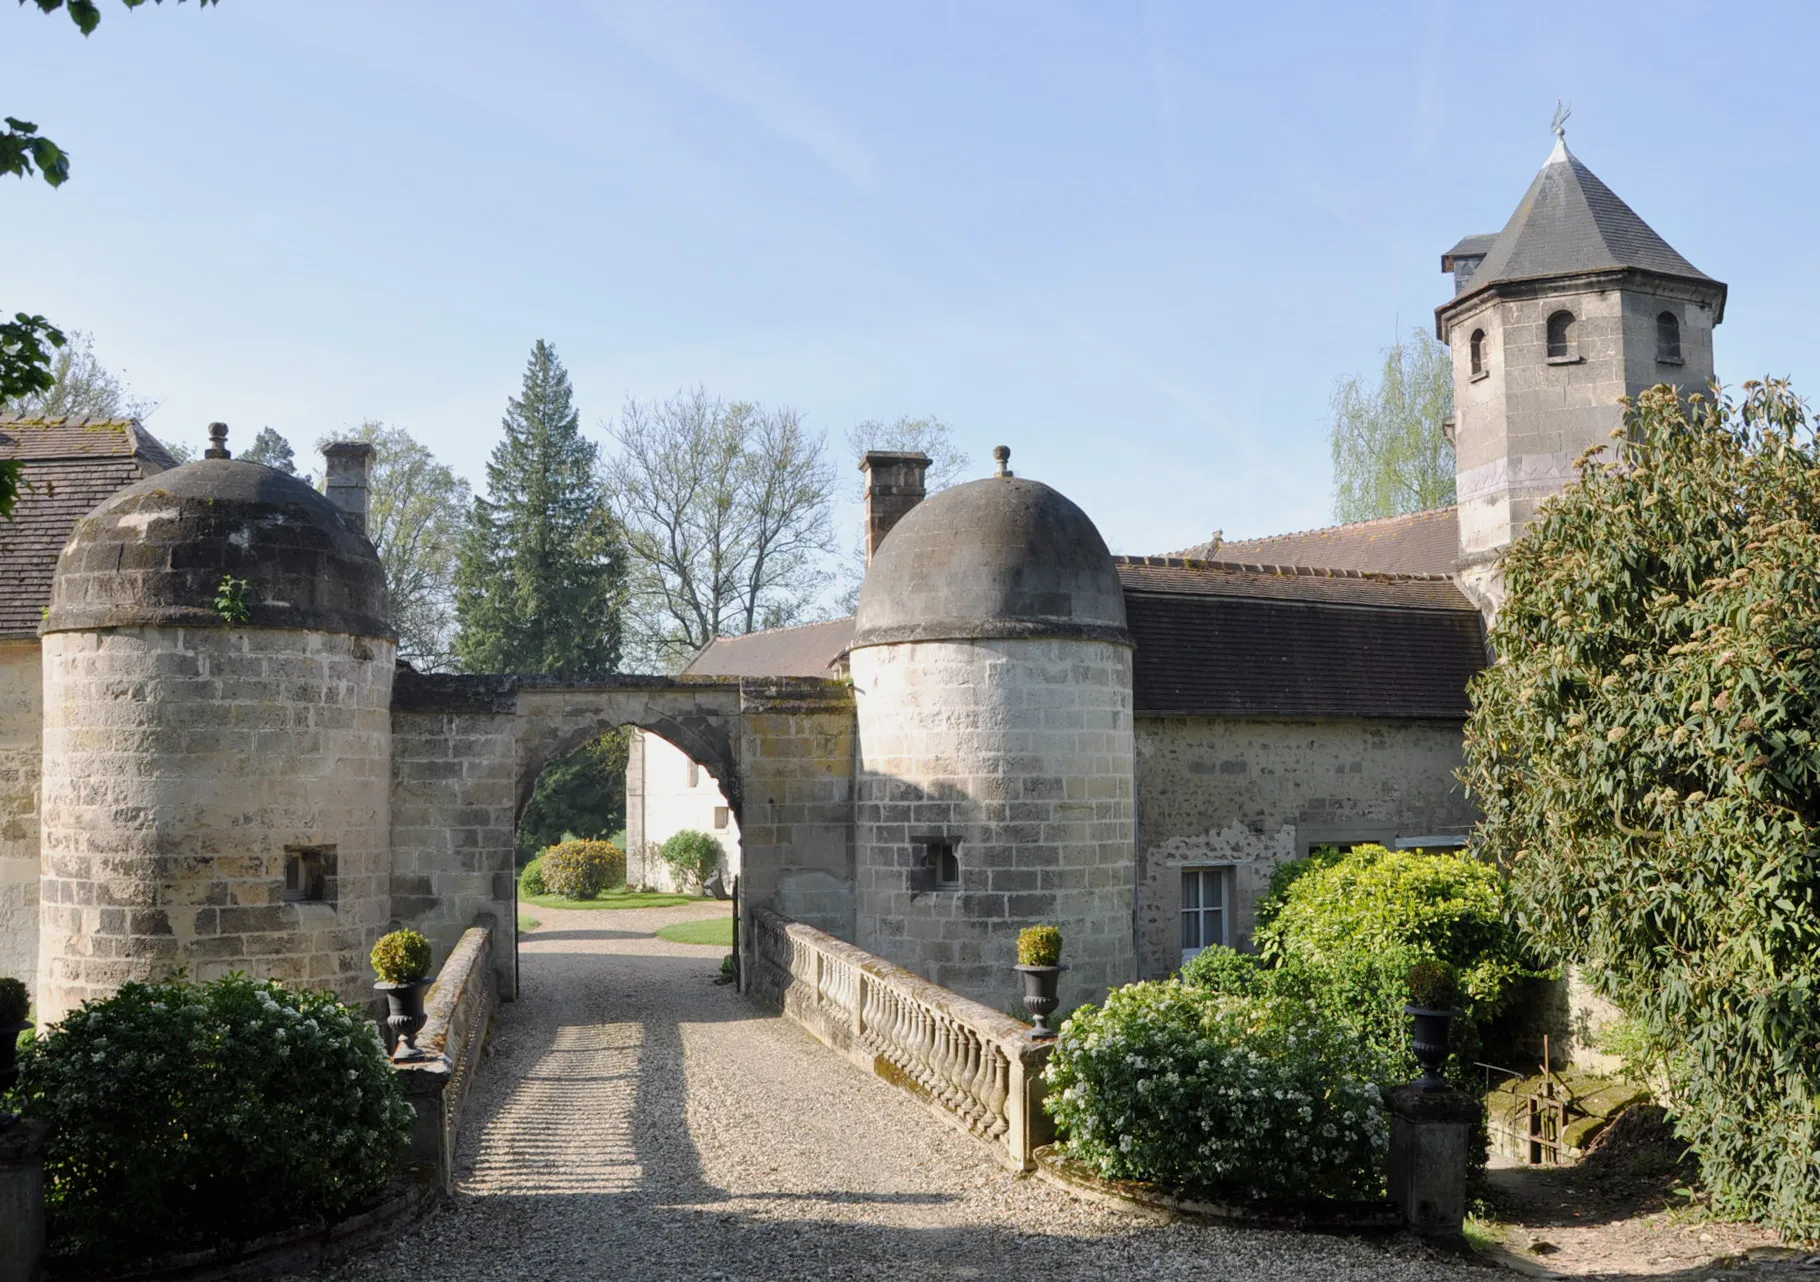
(1417, 543)
(810, 650)
(71, 465)
(1219, 639)
(1570, 223)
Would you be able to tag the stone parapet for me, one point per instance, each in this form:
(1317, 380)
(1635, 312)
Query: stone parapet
(975, 1068)
(457, 1011)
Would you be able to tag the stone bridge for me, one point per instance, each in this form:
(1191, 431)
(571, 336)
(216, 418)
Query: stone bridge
(467, 751)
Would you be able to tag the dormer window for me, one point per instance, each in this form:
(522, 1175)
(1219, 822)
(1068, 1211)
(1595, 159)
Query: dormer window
(1562, 345)
(1668, 339)
(1478, 354)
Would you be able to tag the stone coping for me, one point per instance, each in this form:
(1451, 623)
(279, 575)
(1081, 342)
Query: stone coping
(295, 1250)
(459, 969)
(1315, 1214)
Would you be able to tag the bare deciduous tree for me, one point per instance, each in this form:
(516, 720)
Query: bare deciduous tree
(947, 464)
(726, 508)
(81, 385)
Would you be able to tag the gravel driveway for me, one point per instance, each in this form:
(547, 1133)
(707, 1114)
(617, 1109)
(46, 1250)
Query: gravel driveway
(636, 1121)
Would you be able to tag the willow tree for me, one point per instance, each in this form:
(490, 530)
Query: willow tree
(1390, 455)
(1645, 754)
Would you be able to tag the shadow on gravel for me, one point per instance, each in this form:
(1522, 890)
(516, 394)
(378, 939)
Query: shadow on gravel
(577, 936)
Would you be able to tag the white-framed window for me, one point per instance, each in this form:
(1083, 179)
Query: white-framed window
(721, 815)
(1206, 915)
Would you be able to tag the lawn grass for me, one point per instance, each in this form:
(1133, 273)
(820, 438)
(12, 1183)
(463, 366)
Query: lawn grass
(612, 899)
(527, 924)
(716, 932)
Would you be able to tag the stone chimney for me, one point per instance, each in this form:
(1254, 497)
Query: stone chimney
(894, 485)
(349, 472)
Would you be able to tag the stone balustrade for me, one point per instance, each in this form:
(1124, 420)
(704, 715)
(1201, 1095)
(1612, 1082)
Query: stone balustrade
(974, 1066)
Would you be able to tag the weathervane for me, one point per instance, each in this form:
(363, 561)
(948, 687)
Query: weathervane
(1559, 123)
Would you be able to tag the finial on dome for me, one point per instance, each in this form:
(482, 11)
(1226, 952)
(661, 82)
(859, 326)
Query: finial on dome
(1002, 454)
(217, 442)
(1559, 124)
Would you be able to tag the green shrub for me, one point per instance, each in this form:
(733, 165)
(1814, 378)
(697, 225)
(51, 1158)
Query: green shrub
(185, 1114)
(1223, 970)
(693, 856)
(580, 868)
(15, 1001)
(400, 957)
(1433, 985)
(1039, 946)
(530, 880)
(1645, 759)
(1183, 1086)
(1349, 927)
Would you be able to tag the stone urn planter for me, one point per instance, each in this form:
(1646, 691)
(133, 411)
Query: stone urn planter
(404, 1016)
(1040, 995)
(1433, 1032)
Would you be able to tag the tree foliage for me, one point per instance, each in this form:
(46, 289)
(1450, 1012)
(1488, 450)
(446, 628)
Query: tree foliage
(1389, 456)
(26, 341)
(540, 579)
(1646, 760)
(583, 794)
(80, 386)
(271, 449)
(417, 508)
(726, 509)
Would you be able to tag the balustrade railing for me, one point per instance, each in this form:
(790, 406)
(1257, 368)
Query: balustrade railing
(973, 1064)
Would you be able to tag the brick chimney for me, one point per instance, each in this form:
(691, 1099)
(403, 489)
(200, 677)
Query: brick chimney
(349, 472)
(894, 485)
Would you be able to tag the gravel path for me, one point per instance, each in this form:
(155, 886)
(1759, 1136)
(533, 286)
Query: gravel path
(635, 1121)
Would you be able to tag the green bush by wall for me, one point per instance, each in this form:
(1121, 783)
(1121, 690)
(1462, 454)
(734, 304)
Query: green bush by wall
(186, 1114)
(580, 868)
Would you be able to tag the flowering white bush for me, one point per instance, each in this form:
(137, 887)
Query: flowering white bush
(1185, 1087)
(188, 1113)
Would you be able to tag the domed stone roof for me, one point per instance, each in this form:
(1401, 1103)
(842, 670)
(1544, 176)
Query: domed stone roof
(155, 553)
(1002, 557)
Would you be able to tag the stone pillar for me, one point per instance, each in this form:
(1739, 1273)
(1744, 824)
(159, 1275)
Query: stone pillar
(22, 1200)
(431, 1149)
(1431, 1136)
(894, 485)
(349, 469)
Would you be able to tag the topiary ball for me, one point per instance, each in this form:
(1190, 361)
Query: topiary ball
(1039, 946)
(530, 880)
(15, 1001)
(581, 868)
(401, 957)
(186, 1115)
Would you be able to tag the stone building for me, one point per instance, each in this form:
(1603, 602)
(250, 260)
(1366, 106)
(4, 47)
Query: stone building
(208, 757)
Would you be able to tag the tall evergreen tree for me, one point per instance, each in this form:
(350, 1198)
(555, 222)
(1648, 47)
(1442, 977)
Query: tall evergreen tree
(540, 587)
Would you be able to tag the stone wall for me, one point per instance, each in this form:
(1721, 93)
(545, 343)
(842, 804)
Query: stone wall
(21, 735)
(454, 778)
(1247, 795)
(179, 766)
(1019, 752)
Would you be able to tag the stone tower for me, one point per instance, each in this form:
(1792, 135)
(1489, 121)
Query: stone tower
(217, 738)
(1577, 302)
(992, 669)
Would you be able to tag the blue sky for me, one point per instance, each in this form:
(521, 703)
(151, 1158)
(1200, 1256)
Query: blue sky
(1135, 242)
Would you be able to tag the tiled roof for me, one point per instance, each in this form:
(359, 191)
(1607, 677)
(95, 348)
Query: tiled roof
(1185, 576)
(1415, 543)
(1569, 222)
(70, 467)
(806, 651)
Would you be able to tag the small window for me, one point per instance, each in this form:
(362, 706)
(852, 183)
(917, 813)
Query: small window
(941, 863)
(694, 775)
(309, 874)
(1668, 338)
(1204, 916)
(1561, 337)
(1478, 353)
(721, 815)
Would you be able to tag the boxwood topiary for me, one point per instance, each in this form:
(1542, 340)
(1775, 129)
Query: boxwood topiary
(402, 956)
(15, 1001)
(693, 856)
(188, 1114)
(580, 868)
(1039, 946)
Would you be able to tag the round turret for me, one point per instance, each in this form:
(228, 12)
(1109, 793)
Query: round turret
(992, 669)
(217, 738)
